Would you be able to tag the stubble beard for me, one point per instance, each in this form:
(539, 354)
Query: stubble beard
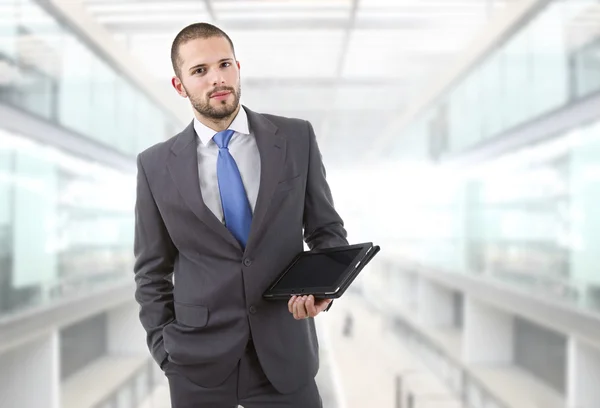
(224, 110)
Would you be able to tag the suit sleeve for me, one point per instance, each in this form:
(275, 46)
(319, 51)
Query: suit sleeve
(323, 226)
(154, 259)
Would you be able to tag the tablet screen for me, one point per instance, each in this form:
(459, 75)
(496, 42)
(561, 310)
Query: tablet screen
(318, 270)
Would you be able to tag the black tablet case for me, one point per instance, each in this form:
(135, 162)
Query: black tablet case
(344, 286)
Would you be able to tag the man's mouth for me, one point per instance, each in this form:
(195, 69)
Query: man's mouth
(220, 94)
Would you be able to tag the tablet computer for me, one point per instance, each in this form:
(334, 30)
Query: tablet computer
(324, 273)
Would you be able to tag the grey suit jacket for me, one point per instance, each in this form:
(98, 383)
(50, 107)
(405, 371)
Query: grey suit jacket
(202, 323)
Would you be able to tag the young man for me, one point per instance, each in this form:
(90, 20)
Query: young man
(223, 207)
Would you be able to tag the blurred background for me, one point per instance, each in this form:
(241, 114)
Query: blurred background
(471, 126)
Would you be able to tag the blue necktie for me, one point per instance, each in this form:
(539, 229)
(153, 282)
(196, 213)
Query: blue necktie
(236, 208)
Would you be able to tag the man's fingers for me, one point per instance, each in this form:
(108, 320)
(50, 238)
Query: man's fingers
(295, 308)
(306, 306)
(301, 307)
(310, 306)
(291, 304)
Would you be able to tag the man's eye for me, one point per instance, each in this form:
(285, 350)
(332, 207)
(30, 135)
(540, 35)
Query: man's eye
(226, 64)
(199, 70)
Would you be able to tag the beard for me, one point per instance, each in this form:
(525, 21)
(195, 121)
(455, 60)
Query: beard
(224, 108)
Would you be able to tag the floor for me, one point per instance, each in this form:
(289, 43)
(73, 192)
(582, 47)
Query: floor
(374, 368)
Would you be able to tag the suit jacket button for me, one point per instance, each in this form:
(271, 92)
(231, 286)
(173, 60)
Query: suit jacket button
(247, 262)
(252, 310)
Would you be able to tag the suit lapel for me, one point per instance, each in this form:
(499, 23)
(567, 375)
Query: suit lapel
(272, 148)
(183, 166)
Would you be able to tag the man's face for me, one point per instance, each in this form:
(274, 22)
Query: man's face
(210, 77)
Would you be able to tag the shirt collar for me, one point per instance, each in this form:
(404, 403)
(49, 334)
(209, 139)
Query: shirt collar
(239, 125)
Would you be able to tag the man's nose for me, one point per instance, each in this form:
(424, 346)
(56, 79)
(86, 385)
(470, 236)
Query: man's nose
(218, 78)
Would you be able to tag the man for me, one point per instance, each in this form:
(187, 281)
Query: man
(222, 208)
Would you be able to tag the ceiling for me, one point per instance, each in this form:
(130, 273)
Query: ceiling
(348, 66)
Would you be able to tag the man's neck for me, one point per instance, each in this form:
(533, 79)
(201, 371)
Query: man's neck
(217, 124)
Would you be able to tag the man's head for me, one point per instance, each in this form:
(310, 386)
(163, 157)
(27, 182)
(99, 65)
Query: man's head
(206, 70)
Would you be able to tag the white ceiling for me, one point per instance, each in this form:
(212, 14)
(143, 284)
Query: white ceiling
(346, 65)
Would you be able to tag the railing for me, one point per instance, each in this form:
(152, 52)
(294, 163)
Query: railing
(48, 293)
(469, 390)
(77, 284)
(569, 291)
(472, 392)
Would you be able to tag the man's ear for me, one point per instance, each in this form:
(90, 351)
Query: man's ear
(176, 82)
(238, 64)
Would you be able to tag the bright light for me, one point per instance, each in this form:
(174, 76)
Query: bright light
(197, 7)
(145, 18)
(285, 15)
(282, 5)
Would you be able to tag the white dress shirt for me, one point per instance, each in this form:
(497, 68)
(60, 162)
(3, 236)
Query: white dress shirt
(244, 150)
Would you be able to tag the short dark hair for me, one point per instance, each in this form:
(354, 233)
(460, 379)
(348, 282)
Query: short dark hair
(192, 32)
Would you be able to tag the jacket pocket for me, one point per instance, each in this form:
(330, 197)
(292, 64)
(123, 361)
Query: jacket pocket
(289, 184)
(191, 315)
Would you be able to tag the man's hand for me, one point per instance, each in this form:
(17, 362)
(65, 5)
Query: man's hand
(306, 306)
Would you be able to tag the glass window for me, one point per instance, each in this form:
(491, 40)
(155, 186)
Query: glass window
(492, 94)
(75, 86)
(584, 183)
(6, 221)
(517, 78)
(34, 217)
(587, 68)
(156, 128)
(47, 70)
(549, 85)
(122, 116)
(127, 118)
(458, 114)
(144, 128)
(529, 218)
(582, 40)
(65, 224)
(472, 101)
(8, 30)
(38, 54)
(103, 103)
(520, 225)
(552, 59)
(454, 114)
(34, 92)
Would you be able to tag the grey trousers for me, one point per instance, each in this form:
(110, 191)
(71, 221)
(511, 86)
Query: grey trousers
(247, 386)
